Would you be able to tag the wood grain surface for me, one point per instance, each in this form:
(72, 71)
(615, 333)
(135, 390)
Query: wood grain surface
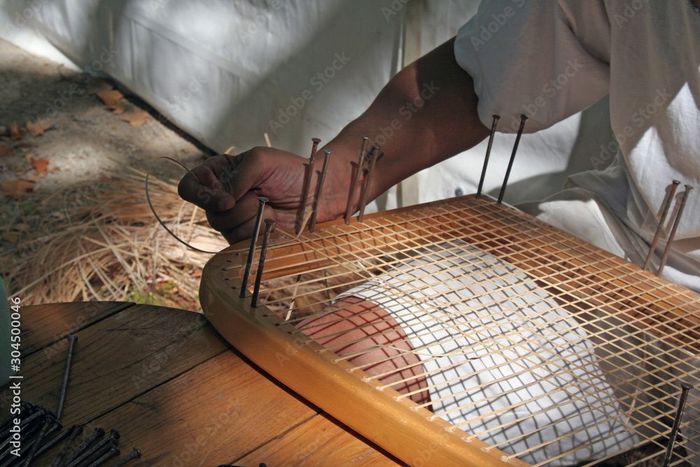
(173, 388)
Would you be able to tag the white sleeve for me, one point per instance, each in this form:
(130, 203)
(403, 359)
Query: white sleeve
(535, 58)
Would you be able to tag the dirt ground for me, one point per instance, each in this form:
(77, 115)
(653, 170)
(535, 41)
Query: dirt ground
(63, 131)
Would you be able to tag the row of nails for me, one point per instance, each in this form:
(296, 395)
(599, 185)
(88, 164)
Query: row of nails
(665, 206)
(37, 423)
(492, 134)
(37, 427)
(365, 165)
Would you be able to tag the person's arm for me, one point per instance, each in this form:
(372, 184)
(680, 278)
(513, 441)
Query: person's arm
(425, 114)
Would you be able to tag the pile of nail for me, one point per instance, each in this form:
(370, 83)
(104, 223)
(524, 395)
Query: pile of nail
(41, 433)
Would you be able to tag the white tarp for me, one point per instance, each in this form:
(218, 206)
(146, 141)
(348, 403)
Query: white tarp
(227, 72)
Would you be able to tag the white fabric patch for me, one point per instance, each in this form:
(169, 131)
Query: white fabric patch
(505, 361)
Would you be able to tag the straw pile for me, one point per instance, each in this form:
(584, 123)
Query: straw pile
(107, 245)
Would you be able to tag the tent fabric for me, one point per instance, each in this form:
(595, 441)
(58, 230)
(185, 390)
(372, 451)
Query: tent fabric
(229, 72)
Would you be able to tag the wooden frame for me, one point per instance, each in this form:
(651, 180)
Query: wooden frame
(588, 278)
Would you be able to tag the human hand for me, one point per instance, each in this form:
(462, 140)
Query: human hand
(228, 187)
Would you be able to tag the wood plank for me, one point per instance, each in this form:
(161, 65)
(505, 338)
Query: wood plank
(218, 411)
(42, 325)
(318, 441)
(117, 359)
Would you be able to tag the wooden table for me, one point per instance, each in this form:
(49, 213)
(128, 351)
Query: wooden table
(176, 390)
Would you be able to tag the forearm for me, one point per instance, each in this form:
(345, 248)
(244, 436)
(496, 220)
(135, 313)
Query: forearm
(425, 114)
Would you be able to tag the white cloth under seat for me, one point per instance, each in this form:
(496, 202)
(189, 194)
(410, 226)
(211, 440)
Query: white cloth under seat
(503, 360)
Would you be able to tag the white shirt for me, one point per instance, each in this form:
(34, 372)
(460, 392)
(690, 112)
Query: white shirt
(550, 60)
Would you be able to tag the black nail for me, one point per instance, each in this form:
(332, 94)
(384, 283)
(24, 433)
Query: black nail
(494, 124)
(269, 227)
(253, 241)
(512, 158)
(319, 190)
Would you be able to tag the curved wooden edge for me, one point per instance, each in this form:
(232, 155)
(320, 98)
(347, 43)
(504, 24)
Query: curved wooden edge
(399, 426)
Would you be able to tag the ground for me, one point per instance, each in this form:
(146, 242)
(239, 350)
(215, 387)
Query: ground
(63, 132)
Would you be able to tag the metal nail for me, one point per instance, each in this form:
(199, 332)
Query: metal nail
(253, 242)
(308, 176)
(512, 158)
(665, 205)
(682, 399)
(26, 425)
(111, 451)
(134, 454)
(113, 436)
(494, 124)
(355, 178)
(49, 421)
(62, 435)
(76, 431)
(674, 228)
(269, 227)
(96, 436)
(25, 409)
(372, 157)
(66, 374)
(319, 190)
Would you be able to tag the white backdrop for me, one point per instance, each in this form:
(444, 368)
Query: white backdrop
(227, 72)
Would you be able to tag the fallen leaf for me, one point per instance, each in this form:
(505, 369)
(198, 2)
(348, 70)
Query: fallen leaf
(10, 237)
(136, 118)
(5, 150)
(22, 227)
(15, 131)
(40, 165)
(111, 98)
(17, 188)
(39, 127)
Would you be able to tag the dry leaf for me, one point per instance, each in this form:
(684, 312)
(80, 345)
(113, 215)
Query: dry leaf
(38, 127)
(10, 237)
(15, 131)
(17, 188)
(136, 118)
(40, 165)
(111, 98)
(5, 150)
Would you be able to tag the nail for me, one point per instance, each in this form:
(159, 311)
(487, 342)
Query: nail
(96, 436)
(494, 124)
(49, 421)
(682, 399)
(55, 440)
(111, 451)
(66, 374)
(319, 190)
(665, 205)
(25, 409)
(25, 425)
(372, 157)
(355, 178)
(76, 431)
(512, 158)
(674, 228)
(113, 436)
(253, 241)
(308, 175)
(134, 454)
(269, 227)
